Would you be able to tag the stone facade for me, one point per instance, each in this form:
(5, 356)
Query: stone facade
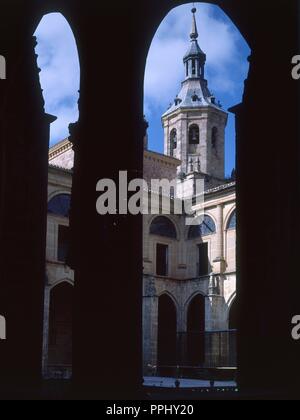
(205, 157)
(182, 282)
(57, 272)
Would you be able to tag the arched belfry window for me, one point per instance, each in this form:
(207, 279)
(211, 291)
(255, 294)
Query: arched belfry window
(232, 221)
(173, 141)
(194, 134)
(206, 228)
(162, 226)
(214, 137)
(60, 205)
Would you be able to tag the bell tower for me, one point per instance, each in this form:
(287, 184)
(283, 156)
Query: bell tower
(194, 125)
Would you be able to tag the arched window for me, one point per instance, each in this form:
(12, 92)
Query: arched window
(232, 221)
(60, 205)
(194, 134)
(214, 138)
(173, 141)
(206, 228)
(162, 226)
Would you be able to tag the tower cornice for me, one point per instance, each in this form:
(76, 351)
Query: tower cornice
(185, 110)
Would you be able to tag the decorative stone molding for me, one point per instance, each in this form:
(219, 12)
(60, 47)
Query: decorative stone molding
(59, 149)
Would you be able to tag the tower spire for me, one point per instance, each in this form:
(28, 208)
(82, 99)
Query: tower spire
(195, 58)
(194, 32)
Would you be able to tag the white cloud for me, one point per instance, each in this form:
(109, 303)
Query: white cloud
(60, 75)
(218, 38)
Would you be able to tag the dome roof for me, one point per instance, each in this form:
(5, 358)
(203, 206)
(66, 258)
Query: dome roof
(194, 51)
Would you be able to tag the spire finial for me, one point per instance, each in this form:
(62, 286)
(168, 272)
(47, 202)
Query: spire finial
(194, 33)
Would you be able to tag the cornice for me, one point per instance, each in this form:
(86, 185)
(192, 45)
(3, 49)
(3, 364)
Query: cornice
(59, 149)
(158, 157)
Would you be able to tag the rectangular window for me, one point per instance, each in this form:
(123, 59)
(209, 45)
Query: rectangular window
(203, 265)
(162, 260)
(63, 243)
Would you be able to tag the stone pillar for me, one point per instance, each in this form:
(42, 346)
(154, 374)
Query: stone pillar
(46, 331)
(216, 347)
(150, 327)
(219, 261)
(182, 320)
(107, 253)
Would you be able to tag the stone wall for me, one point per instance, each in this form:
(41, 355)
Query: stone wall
(182, 282)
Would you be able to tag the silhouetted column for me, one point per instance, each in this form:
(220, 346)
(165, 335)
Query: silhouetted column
(24, 172)
(219, 262)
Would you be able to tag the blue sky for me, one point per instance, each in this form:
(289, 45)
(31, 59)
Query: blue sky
(226, 70)
(60, 75)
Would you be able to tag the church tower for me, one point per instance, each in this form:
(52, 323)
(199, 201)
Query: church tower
(194, 125)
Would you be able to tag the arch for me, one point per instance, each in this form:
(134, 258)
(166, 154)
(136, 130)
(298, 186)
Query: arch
(231, 222)
(196, 330)
(167, 331)
(172, 297)
(58, 59)
(164, 12)
(58, 192)
(195, 294)
(206, 228)
(164, 227)
(194, 134)
(59, 282)
(46, 10)
(173, 141)
(60, 325)
(60, 205)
